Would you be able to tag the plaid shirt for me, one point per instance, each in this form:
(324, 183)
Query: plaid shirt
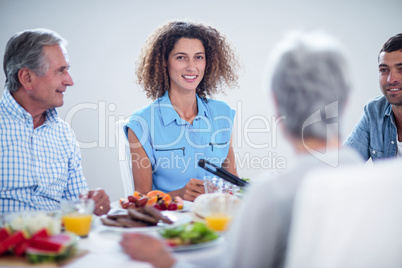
(39, 167)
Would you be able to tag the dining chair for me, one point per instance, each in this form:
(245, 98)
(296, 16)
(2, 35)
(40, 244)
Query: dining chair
(124, 159)
(348, 217)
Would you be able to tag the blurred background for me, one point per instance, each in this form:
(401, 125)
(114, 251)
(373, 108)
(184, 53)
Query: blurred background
(105, 38)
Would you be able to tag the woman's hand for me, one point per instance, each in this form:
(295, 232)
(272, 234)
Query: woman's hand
(191, 190)
(145, 248)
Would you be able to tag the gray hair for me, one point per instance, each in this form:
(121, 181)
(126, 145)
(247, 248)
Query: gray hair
(310, 82)
(25, 50)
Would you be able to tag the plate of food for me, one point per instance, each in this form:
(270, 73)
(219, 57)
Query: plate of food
(142, 219)
(190, 236)
(31, 237)
(187, 205)
(158, 199)
(198, 246)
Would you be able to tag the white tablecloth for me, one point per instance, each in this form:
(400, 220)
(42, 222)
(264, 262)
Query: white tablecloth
(104, 250)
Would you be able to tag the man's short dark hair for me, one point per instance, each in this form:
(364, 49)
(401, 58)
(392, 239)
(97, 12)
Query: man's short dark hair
(393, 44)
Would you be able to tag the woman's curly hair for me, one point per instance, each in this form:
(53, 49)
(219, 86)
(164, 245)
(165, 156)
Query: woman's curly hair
(221, 62)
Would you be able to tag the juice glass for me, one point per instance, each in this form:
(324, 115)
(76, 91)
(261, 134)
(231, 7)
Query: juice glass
(218, 222)
(221, 208)
(77, 216)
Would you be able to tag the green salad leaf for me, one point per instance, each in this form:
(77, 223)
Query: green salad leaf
(187, 234)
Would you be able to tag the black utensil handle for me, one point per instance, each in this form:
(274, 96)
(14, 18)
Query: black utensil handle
(221, 173)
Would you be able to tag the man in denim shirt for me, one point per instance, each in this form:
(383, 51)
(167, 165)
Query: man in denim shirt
(379, 131)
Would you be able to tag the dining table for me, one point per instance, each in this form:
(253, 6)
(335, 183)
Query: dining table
(102, 248)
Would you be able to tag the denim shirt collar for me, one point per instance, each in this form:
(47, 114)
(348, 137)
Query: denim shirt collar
(388, 110)
(169, 114)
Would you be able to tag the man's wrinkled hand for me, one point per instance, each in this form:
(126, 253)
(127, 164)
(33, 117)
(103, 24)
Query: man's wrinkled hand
(101, 200)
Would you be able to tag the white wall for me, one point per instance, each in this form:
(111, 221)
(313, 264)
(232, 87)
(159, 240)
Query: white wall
(105, 38)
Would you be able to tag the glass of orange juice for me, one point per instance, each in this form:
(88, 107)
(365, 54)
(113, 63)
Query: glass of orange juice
(77, 216)
(221, 208)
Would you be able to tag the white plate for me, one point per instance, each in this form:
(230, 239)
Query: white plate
(177, 218)
(115, 204)
(186, 205)
(198, 246)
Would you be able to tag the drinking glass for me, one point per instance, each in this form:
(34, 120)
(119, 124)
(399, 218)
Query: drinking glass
(77, 216)
(214, 184)
(221, 209)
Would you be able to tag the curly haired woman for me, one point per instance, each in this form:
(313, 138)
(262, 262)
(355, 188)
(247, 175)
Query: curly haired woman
(180, 65)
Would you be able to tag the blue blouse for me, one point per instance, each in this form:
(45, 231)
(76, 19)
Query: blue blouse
(175, 146)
